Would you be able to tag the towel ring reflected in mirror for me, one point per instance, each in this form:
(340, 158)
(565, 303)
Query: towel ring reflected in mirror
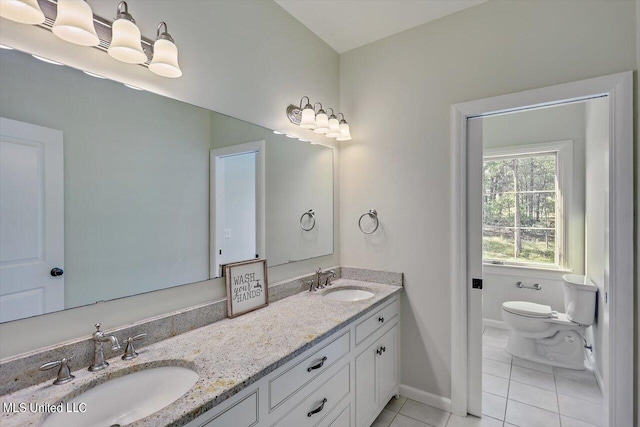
(373, 214)
(312, 217)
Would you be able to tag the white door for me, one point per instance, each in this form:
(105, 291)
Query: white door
(474, 259)
(31, 220)
(237, 190)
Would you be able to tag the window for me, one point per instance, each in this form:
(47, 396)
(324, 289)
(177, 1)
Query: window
(523, 205)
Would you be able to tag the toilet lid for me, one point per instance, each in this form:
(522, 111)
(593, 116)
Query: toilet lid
(526, 308)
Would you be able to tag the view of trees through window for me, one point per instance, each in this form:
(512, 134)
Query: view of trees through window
(519, 209)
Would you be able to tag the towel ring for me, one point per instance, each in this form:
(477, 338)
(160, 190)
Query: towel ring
(372, 214)
(312, 216)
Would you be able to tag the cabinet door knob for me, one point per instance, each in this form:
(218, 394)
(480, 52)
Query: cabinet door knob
(384, 349)
(318, 366)
(381, 319)
(379, 351)
(319, 408)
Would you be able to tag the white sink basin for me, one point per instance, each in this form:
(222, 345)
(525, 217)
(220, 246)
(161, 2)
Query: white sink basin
(348, 295)
(126, 399)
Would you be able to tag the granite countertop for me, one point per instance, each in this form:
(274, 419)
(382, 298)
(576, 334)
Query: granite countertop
(228, 355)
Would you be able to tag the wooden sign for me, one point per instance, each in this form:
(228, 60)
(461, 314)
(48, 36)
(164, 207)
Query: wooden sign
(246, 286)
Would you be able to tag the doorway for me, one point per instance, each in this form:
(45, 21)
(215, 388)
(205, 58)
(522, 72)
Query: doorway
(467, 157)
(237, 204)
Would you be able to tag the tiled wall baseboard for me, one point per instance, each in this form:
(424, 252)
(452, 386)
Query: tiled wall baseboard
(22, 371)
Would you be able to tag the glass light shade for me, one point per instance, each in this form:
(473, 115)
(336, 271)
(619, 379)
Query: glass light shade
(22, 11)
(308, 120)
(165, 59)
(345, 134)
(334, 128)
(74, 23)
(322, 123)
(125, 42)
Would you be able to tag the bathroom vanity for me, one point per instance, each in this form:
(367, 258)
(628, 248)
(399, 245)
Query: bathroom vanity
(305, 360)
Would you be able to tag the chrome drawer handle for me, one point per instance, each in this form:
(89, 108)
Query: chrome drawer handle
(318, 366)
(381, 319)
(319, 408)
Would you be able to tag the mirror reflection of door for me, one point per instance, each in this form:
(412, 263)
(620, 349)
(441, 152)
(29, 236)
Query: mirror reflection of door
(31, 220)
(235, 198)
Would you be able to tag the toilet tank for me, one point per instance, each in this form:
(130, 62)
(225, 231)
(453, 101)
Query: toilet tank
(579, 299)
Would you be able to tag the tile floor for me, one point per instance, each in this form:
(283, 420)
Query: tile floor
(515, 393)
(528, 394)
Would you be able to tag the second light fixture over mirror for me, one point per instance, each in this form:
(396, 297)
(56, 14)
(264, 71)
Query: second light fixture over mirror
(308, 118)
(75, 23)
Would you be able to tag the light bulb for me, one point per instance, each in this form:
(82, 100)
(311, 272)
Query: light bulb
(165, 55)
(344, 130)
(126, 45)
(308, 120)
(334, 127)
(322, 122)
(74, 23)
(22, 11)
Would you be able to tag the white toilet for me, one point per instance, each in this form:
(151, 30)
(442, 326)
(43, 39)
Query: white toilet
(542, 335)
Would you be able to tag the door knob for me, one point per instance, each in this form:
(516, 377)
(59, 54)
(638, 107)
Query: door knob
(55, 272)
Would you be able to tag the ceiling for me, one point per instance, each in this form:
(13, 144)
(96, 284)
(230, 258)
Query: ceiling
(347, 24)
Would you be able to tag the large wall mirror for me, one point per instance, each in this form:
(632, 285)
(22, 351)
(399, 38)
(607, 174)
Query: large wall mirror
(107, 191)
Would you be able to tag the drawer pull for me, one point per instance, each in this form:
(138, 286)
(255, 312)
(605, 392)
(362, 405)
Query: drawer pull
(318, 409)
(318, 366)
(381, 319)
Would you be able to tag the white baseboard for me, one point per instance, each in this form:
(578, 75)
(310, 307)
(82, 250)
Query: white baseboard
(426, 397)
(591, 360)
(494, 323)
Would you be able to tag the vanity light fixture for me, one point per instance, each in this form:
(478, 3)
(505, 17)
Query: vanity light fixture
(126, 45)
(74, 23)
(165, 55)
(22, 11)
(345, 135)
(307, 118)
(48, 61)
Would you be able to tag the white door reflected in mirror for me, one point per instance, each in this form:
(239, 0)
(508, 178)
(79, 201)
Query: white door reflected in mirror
(237, 185)
(31, 220)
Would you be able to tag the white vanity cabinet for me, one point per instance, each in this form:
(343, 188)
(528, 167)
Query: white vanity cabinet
(376, 377)
(343, 381)
(377, 367)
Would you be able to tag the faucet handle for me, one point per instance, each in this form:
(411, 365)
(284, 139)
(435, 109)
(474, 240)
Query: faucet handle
(130, 351)
(97, 325)
(64, 373)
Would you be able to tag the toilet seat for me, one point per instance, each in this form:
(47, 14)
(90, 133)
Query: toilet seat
(528, 309)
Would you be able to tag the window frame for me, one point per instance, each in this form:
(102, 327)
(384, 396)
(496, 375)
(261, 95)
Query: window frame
(564, 192)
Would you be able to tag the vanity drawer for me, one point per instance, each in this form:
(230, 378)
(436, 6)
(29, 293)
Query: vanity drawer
(242, 414)
(284, 385)
(372, 323)
(312, 410)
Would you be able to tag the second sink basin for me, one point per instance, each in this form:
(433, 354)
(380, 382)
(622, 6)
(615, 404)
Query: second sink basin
(346, 294)
(126, 399)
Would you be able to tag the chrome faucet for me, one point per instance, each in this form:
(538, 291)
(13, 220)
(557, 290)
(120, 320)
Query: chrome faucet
(316, 284)
(98, 338)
